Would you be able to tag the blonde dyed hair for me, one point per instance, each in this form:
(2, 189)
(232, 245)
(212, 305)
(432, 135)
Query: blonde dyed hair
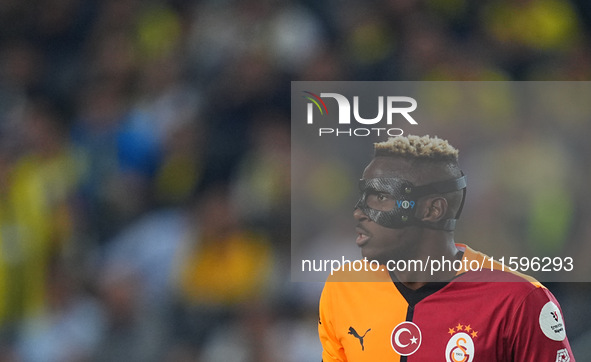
(425, 147)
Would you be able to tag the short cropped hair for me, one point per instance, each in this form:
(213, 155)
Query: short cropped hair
(415, 147)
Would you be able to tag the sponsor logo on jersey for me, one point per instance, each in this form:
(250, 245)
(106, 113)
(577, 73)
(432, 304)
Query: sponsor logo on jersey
(551, 322)
(354, 333)
(562, 355)
(460, 347)
(406, 338)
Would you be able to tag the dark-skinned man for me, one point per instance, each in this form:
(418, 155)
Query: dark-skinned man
(412, 193)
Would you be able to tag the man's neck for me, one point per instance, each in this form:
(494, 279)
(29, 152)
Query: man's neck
(432, 263)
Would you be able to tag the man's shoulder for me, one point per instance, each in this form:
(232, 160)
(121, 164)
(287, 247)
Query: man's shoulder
(495, 284)
(490, 270)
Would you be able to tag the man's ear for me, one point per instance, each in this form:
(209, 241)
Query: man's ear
(435, 209)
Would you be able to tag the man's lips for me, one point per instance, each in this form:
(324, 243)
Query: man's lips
(362, 236)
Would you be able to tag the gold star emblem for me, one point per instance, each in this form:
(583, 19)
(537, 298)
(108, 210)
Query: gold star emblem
(467, 328)
(474, 334)
(459, 327)
(451, 331)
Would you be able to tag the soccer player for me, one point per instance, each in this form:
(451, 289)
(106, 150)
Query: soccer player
(412, 193)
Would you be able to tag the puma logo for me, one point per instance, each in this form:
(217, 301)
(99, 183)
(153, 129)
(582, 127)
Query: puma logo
(354, 333)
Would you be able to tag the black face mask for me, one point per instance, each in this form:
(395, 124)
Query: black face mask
(391, 202)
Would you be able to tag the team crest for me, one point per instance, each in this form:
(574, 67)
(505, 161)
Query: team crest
(460, 347)
(406, 338)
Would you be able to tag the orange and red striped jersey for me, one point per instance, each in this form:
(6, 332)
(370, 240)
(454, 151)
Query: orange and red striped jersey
(469, 318)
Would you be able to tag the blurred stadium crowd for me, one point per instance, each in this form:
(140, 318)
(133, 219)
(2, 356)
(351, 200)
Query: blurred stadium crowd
(145, 158)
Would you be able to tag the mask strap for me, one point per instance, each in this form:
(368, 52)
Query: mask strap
(463, 197)
(442, 188)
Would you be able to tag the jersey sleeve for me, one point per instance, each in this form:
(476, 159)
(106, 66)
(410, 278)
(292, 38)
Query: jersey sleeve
(332, 350)
(537, 332)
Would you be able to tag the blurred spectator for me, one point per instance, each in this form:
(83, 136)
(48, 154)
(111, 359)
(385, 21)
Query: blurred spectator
(122, 153)
(224, 272)
(132, 333)
(36, 218)
(69, 328)
(261, 186)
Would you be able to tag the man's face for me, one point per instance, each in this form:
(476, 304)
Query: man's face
(378, 242)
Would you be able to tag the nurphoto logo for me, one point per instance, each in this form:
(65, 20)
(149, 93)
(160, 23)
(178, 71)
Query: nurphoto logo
(390, 105)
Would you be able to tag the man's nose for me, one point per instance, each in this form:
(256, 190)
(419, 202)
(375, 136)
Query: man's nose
(359, 215)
